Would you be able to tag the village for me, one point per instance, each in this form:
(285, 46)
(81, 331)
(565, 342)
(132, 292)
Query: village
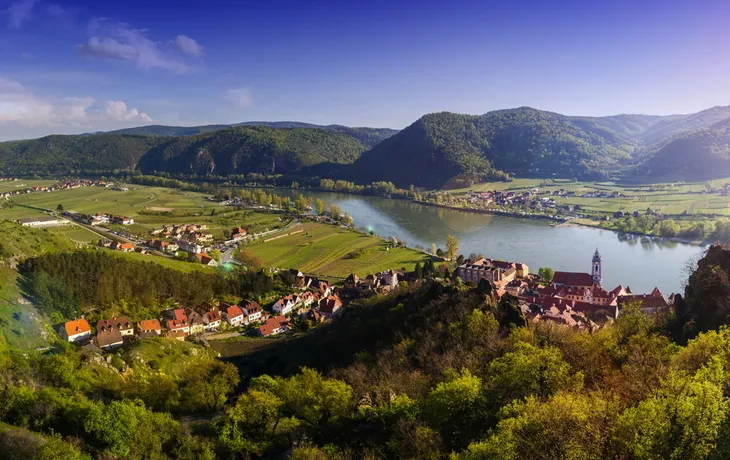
(573, 299)
(312, 299)
(570, 299)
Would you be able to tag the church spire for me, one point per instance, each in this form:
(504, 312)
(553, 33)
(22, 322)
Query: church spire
(596, 268)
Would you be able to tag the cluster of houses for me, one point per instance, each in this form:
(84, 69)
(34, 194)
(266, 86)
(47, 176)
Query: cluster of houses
(571, 298)
(99, 218)
(120, 246)
(177, 323)
(191, 238)
(529, 199)
(60, 185)
(315, 300)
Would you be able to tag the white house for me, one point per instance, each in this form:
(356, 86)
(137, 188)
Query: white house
(76, 331)
(235, 316)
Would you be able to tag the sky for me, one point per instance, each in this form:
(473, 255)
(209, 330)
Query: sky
(85, 66)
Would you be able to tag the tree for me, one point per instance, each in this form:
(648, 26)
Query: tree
(434, 248)
(668, 228)
(208, 384)
(248, 259)
(418, 271)
(59, 208)
(452, 247)
(546, 274)
(319, 206)
(215, 254)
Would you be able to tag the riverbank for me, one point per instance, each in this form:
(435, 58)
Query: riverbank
(496, 212)
(653, 238)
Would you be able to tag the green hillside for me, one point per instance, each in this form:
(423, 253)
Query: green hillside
(69, 154)
(229, 151)
(21, 325)
(700, 155)
(522, 141)
(366, 136)
(251, 149)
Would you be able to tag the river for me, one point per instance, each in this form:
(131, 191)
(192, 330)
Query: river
(633, 262)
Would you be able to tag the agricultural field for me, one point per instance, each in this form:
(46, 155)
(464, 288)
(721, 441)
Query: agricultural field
(668, 198)
(333, 251)
(149, 206)
(131, 203)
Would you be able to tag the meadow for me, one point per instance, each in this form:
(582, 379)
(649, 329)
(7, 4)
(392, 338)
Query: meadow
(149, 206)
(333, 251)
(669, 198)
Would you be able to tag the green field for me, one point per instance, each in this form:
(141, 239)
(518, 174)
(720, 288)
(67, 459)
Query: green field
(325, 249)
(150, 207)
(670, 198)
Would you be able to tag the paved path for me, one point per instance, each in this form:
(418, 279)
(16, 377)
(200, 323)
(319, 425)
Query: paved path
(216, 336)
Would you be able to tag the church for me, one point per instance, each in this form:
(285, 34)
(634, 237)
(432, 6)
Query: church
(580, 280)
(584, 287)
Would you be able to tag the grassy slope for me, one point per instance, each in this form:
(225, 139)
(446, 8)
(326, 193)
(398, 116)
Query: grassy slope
(171, 357)
(21, 326)
(323, 249)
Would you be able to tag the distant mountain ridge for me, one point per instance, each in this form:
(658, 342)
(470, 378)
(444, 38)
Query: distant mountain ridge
(436, 149)
(525, 142)
(367, 136)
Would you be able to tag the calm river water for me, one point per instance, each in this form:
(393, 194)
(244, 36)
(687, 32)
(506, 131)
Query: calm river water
(627, 261)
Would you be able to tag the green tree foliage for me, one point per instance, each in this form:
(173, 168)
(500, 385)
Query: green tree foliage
(546, 274)
(706, 302)
(442, 146)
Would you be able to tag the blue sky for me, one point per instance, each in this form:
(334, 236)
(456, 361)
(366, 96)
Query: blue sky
(82, 66)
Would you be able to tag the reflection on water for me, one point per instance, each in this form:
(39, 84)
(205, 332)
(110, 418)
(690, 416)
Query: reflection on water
(638, 262)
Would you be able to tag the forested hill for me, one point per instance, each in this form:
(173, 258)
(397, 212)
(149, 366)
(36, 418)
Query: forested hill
(366, 136)
(64, 154)
(523, 141)
(234, 150)
(246, 149)
(700, 155)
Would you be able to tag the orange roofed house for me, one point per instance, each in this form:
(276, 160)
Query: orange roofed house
(76, 331)
(275, 325)
(149, 328)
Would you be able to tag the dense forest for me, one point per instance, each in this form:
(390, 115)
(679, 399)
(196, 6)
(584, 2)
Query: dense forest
(700, 155)
(237, 150)
(436, 371)
(366, 136)
(251, 149)
(98, 284)
(436, 149)
(523, 142)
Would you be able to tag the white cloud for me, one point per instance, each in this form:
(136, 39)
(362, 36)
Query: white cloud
(118, 111)
(188, 45)
(241, 97)
(20, 12)
(24, 114)
(117, 41)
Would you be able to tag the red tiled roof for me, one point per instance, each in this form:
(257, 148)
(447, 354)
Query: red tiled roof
(273, 323)
(330, 304)
(646, 300)
(149, 325)
(573, 279)
(212, 316)
(77, 326)
(234, 311)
